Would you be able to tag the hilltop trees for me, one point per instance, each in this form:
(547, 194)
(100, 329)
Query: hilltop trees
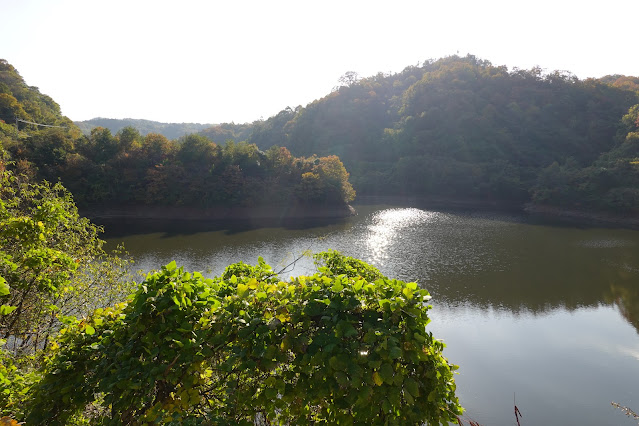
(457, 126)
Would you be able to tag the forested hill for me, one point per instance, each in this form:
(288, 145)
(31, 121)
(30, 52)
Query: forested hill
(462, 128)
(129, 169)
(169, 130)
(20, 102)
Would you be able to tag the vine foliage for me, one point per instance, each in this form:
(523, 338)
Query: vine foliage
(343, 346)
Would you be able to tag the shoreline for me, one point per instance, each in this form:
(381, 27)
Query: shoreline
(583, 217)
(543, 212)
(440, 203)
(141, 212)
(277, 214)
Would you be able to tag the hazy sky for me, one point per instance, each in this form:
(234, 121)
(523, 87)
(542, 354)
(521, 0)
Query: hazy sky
(221, 61)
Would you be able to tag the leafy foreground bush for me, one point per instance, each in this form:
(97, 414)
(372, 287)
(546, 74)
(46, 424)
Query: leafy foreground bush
(53, 267)
(344, 346)
(53, 264)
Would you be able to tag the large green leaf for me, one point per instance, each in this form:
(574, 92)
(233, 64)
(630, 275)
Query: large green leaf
(4, 287)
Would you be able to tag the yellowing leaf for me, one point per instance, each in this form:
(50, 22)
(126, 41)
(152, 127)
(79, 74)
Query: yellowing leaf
(242, 289)
(408, 293)
(377, 379)
(283, 317)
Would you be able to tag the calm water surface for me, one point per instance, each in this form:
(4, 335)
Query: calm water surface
(546, 315)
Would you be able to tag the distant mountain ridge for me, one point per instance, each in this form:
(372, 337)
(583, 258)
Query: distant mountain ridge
(169, 130)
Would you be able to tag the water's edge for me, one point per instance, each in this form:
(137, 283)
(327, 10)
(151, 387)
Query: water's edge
(585, 217)
(270, 214)
(629, 220)
(217, 213)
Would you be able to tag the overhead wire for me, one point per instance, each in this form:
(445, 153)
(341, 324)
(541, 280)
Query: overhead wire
(39, 124)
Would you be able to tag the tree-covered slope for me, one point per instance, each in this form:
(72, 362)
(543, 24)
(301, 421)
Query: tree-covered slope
(611, 182)
(458, 128)
(25, 103)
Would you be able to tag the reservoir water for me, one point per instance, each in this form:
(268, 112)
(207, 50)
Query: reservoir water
(539, 315)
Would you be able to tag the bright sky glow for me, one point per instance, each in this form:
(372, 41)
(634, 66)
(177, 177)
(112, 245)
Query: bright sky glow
(222, 61)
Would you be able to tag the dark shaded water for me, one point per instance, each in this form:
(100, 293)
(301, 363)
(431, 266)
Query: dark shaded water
(546, 314)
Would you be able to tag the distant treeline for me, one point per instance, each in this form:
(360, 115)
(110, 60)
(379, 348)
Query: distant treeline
(218, 133)
(127, 168)
(169, 130)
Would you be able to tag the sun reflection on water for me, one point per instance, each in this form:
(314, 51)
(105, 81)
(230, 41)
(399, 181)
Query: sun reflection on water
(387, 226)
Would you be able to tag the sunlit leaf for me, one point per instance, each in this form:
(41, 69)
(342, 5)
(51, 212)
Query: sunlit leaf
(6, 309)
(4, 287)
